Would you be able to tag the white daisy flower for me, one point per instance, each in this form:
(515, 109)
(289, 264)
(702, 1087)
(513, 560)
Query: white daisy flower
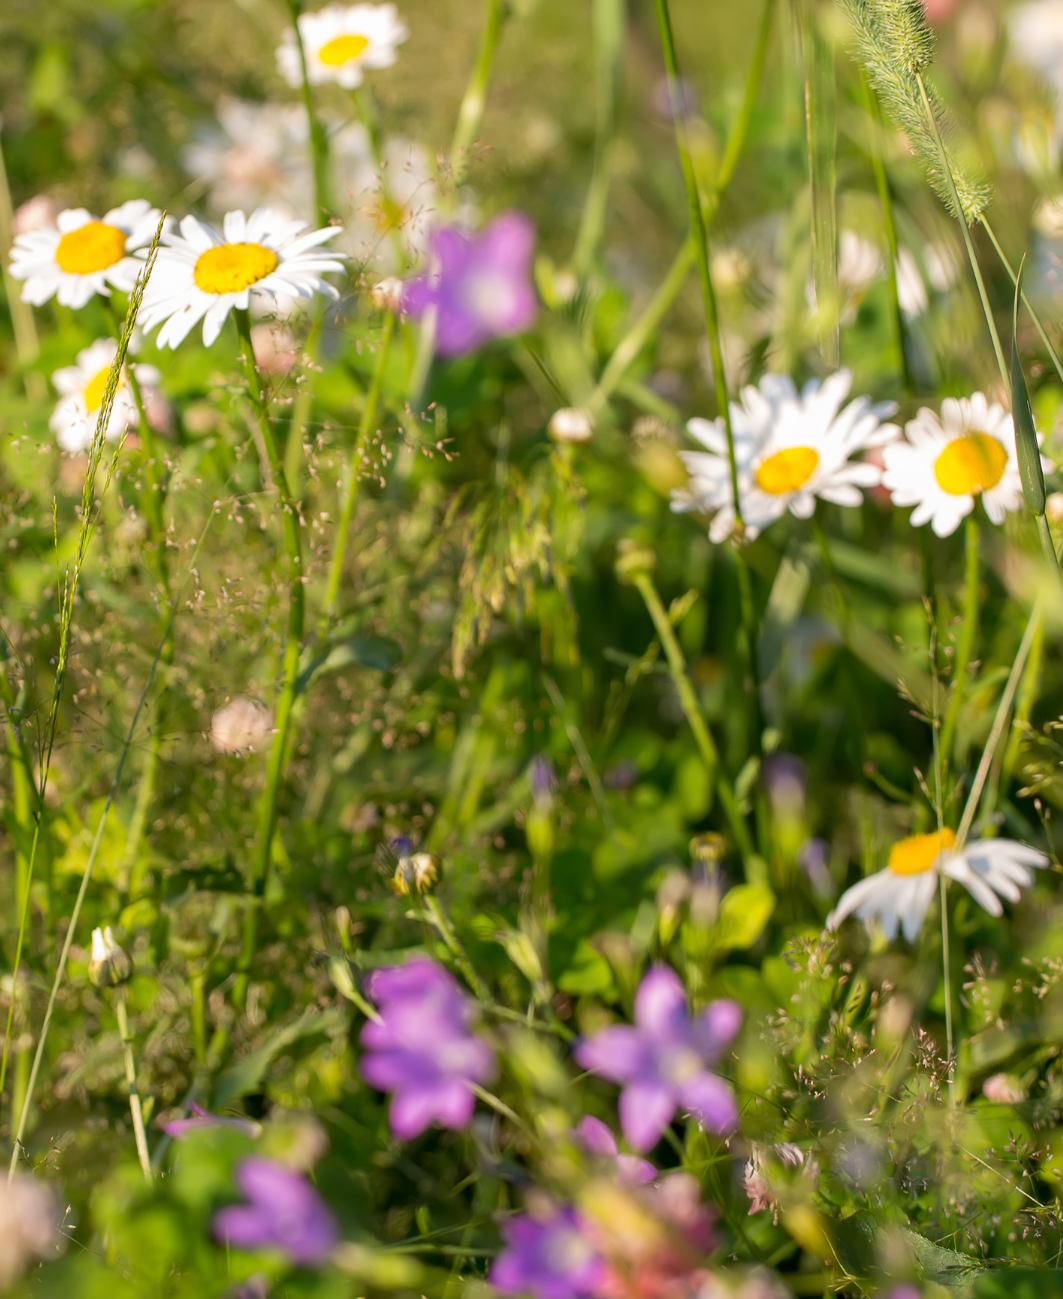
(901, 894)
(201, 274)
(82, 387)
(340, 42)
(790, 449)
(83, 254)
(946, 463)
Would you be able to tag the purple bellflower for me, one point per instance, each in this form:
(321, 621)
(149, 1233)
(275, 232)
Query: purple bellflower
(480, 286)
(283, 1211)
(597, 1138)
(662, 1060)
(549, 1258)
(202, 1119)
(422, 1049)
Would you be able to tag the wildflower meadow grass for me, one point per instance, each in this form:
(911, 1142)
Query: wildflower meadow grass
(530, 631)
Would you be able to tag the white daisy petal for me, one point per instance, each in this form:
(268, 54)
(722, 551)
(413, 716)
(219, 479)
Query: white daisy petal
(202, 276)
(81, 389)
(340, 42)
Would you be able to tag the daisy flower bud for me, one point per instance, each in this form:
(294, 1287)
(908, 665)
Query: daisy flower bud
(570, 425)
(109, 965)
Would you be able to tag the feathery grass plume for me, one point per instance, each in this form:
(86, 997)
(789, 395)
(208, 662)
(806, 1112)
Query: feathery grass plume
(895, 44)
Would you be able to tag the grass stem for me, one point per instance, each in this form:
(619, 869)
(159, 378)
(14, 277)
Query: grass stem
(319, 146)
(471, 112)
(967, 639)
(135, 1108)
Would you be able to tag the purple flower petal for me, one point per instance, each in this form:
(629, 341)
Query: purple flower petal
(635, 1170)
(661, 1005)
(547, 1258)
(712, 1101)
(597, 1137)
(283, 1212)
(617, 1053)
(716, 1027)
(646, 1109)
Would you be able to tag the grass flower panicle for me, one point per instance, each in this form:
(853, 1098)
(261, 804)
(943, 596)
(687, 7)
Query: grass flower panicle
(790, 448)
(422, 1048)
(946, 463)
(203, 274)
(479, 286)
(899, 896)
(661, 1060)
(82, 387)
(341, 43)
(282, 1212)
(83, 255)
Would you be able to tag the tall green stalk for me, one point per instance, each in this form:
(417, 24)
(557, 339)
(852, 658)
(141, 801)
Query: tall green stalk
(27, 345)
(349, 491)
(646, 325)
(471, 112)
(699, 234)
(319, 150)
(882, 184)
(821, 130)
(609, 29)
(293, 545)
(968, 636)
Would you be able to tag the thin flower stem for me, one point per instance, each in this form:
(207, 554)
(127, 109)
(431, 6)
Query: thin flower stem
(1053, 354)
(965, 230)
(349, 490)
(943, 887)
(968, 637)
(999, 721)
(489, 1098)
(935, 728)
(22, 788)
(131, 1079)
(699, 233)
(471, 112)
(319, 147)
(692, 710)
(637, 336)
(882, 184)
(821, 129)
(87, 873)
(90, 507)
(293, 544)
(439, 918)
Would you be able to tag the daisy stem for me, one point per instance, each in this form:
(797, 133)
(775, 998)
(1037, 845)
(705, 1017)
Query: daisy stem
(692, 710)
(349, 490)
(640, 332)
(319, 147)
(958, 212)
(135, 1108)
(699, 233)
(293, 544)
(471, 112)
(968, 634)
(882, 184)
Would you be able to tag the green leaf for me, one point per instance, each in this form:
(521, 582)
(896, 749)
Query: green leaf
(744, 912)
(246, 1075)
(589, 974)
(1026, 448)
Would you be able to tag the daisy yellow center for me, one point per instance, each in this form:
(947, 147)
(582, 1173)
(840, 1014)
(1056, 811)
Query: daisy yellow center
(92, 247)
(231, 268)
(342, 49)
(917, 854)
(970, 464)
(787, 470)
(96, 388)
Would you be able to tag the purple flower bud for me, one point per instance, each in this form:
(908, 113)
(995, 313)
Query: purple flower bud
(479, 285)
(543, 780)
(283, 1211)
(203, 1120)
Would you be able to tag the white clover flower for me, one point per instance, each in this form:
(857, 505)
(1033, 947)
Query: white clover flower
(241, 726)
(82, 387)
(947, 462)
(791, 448)
(83, 254)
(900, 895)
(202, 275)
(341, 42)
